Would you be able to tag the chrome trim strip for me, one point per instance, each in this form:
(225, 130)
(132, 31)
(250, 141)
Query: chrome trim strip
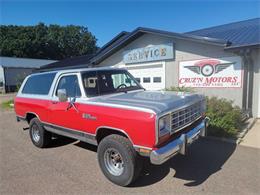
(82, 136)
(58, 126)
(143, 147)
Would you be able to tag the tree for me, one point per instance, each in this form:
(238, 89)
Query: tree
(47, 42)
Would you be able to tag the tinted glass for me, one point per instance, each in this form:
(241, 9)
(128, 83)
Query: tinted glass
(90, 83)
(108, 81)
(70, 84)
(38, 84)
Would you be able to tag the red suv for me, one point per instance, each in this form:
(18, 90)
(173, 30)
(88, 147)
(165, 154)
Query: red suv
(107, 107)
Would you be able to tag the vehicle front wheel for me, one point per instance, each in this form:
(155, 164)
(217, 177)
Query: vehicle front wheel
(118, 160)
(39, 136)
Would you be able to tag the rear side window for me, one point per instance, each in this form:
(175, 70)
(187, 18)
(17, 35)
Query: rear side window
(38, 84)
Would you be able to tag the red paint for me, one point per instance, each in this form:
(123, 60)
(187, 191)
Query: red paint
(212, 62)
(137, 124)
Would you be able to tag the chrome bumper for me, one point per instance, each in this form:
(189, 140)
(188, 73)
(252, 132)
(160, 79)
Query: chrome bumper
(179, 145)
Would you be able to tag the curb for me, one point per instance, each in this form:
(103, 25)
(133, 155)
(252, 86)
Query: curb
(244, 132)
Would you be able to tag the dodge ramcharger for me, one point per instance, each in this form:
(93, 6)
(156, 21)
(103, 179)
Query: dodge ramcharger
(107, 107)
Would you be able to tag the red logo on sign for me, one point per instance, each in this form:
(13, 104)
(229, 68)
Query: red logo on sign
(208, 67)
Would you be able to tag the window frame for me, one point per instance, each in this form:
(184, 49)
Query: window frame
(82, 83)
(63, 75)
(98, 77)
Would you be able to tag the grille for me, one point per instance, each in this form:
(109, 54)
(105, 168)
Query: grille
(185, 116)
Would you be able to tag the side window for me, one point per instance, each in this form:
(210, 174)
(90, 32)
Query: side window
(90, 83)
(70, 84)
(121, 78)
(38, 84)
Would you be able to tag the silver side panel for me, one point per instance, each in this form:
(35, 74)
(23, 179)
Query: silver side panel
(88, 138)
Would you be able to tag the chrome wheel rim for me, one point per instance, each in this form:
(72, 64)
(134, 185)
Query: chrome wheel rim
(114, 162)
(35, 133)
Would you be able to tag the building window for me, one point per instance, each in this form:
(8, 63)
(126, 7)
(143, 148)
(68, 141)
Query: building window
(138, 80)
(157, 79)
(146, 80)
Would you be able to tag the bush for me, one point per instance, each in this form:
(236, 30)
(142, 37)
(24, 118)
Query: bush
(8, 104)
(181, 89)
(225, 119)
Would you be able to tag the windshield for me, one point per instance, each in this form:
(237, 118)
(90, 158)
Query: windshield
(108, 81)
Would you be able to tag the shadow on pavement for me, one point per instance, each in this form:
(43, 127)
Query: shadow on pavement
(86, 146)
(204, 158)
(59, 141)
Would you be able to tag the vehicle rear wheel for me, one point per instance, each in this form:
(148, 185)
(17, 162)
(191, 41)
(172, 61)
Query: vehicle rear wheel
(118, 160)
(39, 136)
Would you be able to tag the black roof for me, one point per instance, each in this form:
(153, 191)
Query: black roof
(73, 62)
(242, 33)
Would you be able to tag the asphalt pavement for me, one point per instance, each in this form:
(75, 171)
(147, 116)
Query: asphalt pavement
(71, 167)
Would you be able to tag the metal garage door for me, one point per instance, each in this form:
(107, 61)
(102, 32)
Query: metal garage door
(151, 77)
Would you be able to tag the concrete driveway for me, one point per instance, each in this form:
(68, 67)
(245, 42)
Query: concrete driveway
(71, 167)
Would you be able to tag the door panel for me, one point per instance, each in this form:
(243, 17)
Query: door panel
(61, 113)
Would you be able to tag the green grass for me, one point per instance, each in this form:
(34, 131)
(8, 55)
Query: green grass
(7, 104)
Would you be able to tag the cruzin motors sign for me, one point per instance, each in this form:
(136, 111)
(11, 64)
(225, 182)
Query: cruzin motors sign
(147, 54)
(225, 72)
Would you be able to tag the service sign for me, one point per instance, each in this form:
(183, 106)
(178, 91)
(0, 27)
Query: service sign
(217, 73)
(147, 54)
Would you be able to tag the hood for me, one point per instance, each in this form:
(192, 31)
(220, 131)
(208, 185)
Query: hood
(157, 101)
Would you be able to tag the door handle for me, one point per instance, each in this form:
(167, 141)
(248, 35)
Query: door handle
(54, 102)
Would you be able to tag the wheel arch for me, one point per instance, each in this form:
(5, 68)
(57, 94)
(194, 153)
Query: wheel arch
(104, 131)
(30, 115)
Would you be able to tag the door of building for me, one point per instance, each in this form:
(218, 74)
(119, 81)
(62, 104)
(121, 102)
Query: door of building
(150, 76)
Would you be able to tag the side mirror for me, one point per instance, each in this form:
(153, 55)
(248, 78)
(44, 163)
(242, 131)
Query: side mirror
(62, 95)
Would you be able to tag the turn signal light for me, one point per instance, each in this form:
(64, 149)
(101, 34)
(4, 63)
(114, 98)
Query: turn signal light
(163, 138)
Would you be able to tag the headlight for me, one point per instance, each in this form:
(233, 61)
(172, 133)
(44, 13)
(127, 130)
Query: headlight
(164, 125)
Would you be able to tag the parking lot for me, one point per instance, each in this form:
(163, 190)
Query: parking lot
(71, 167)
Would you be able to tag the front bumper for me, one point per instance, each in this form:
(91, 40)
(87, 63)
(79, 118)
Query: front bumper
(179, 145)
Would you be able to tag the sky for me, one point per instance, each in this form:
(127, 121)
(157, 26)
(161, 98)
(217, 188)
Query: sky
(105, 19)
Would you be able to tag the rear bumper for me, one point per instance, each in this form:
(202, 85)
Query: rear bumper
(179, 145)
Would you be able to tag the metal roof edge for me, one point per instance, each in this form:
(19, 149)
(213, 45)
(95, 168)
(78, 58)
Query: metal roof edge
(13, 57)
(140, 30)
(255, 45)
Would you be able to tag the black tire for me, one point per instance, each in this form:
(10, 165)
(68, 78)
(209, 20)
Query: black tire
(44, 137)
(132, 162)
